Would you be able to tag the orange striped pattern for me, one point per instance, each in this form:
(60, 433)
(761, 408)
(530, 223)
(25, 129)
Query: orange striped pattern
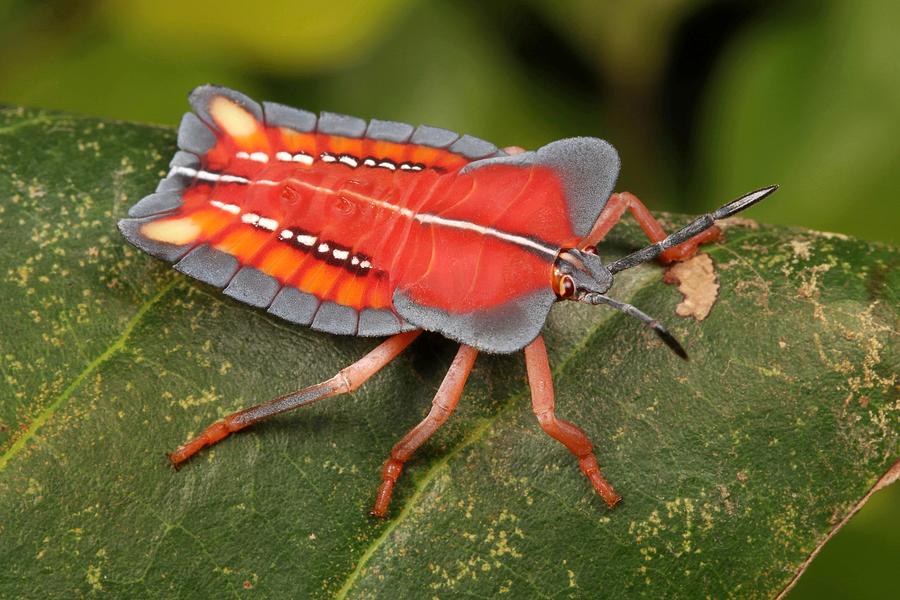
(403, 252)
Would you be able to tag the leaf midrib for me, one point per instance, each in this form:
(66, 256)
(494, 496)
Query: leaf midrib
(115, 347)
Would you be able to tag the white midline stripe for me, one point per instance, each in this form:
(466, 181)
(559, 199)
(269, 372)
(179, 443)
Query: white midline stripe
(207, 175)
(421, 218)
(490, 231)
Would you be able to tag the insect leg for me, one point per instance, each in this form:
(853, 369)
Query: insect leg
(442, 407)
(573, 438)
(620, 202)
(347, 380)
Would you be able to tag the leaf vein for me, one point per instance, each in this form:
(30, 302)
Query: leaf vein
(48, 412)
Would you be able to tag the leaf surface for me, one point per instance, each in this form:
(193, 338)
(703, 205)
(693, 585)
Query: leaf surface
(734, 466)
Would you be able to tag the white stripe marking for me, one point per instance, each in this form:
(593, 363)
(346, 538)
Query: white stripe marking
(306, 159)
(323, 247)
(286, 156)
(340, 254)
(260, 157)
(286, 234)
(421, 218)
(270, 224)
(306, 240)
(489, 231)
(229, 208)
(226, 178)
(207, 175)
(250, 218)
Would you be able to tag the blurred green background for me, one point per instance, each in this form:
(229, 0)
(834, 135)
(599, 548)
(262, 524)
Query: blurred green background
(704, 100)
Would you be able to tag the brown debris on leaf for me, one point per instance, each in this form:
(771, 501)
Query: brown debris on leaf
(696, 280)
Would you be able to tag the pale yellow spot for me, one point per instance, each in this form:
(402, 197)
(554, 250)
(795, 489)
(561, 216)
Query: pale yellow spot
(234, 120)
(93, 577)
(175, 231)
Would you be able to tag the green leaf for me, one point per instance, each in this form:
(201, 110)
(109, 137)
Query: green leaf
(734, 466)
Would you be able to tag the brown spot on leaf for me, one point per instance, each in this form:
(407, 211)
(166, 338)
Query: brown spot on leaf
(801, 249)
(696, 280)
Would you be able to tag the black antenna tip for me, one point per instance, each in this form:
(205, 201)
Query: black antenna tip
(669, 340)
(662, 332)
(745, 201)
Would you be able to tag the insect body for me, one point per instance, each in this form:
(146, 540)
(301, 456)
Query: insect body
(380, 228)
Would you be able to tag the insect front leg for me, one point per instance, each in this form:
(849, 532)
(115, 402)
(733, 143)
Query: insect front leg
(442, 407)
(620, 202)
(347, 380)
(541, 381)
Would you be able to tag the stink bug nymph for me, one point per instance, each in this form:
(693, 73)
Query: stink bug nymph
(380, 228)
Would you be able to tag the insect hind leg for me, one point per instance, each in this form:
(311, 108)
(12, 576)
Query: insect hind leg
(347, 380)
(614, 210)
(572, 437)
(442, 407)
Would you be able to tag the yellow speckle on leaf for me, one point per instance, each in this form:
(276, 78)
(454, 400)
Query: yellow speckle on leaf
(93, 578)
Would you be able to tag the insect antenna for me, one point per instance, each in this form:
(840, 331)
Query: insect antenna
(628, 309)
(690, 230)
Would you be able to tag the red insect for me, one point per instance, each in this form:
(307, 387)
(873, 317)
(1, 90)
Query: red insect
(384, 229)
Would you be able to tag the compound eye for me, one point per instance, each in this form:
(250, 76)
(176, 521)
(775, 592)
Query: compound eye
(565, 287)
